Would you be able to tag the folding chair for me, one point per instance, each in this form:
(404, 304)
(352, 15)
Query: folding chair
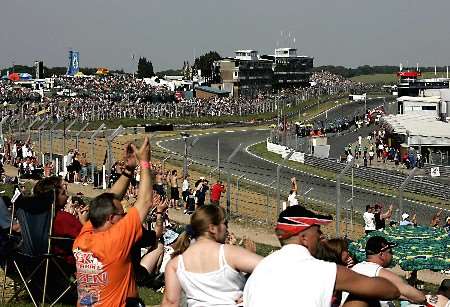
(36, 217)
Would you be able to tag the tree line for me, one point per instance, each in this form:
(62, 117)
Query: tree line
(204, 63)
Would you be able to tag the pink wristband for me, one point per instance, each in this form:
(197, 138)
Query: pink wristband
(145, 165)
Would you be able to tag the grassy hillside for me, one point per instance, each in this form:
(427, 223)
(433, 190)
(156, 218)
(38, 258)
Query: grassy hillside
(390, 78)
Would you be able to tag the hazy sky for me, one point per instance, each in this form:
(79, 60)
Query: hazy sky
(336, 32)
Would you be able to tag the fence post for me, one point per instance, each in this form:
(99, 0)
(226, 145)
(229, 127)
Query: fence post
(235, 151)
(40, 136)
(306, 192)
(64, 134)
(237, 192)
(4, 119)
(218, 156)
(51, 139)
(92, 141)
(77, 142)
(279, 166)
(338, 194)
(109, 140)
(164, 162)
(268, 200)
(32, 124)
(187, 148)
(402, 188)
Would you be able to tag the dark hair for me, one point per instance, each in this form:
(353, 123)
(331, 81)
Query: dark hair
(101, 208)
(444, 288)
(200, 221)
(368, 207)
(174, 172)
(45, 186)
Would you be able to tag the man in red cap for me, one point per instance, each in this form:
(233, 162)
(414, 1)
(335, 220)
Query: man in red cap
(292, 276)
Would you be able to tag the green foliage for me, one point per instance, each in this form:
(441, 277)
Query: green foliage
(170, 72)
(145, 68)
(205, 62)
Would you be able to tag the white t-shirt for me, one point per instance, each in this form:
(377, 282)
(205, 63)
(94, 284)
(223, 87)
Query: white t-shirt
(292, 199)
(185, 185)
(369, 221)
(290, 277)
(369, 269)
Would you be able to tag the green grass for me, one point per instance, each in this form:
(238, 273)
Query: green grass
(261, 150)
(390, 78)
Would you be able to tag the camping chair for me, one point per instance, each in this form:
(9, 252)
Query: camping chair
(33, 260)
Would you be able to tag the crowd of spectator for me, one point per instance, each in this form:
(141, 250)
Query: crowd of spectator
(122, 96)
(124, 237)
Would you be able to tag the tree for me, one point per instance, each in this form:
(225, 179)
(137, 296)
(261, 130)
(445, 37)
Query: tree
(205, 62)
(145, 68)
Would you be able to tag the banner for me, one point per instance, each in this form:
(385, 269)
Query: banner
(74, 63)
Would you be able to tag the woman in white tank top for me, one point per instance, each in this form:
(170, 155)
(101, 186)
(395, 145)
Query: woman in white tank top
(207, 271)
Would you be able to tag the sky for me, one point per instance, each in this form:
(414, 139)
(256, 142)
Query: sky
(167, 32)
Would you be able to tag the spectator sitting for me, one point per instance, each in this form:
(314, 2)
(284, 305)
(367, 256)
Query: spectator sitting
(208, 271)
(66, 224)
(102, 250)
(406, 222)
(447, 224)
(436, 219)
(292, 276)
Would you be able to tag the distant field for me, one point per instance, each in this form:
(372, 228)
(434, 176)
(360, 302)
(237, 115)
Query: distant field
(390, 78)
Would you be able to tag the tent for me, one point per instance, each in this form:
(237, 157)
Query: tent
(25, 76)
(14, 76)
(79, 74)
(418, 248)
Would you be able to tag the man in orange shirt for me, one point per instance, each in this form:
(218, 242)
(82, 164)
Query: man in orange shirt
(102, 249)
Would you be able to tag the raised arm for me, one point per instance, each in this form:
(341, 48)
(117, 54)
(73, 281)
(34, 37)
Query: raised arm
(144, 200)
(388, 213)
(120, 187)
(161, 206)
(294, 184)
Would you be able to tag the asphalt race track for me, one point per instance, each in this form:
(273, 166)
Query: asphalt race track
(264, 172)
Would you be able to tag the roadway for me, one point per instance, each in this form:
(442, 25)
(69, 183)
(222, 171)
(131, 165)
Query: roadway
(263, 172)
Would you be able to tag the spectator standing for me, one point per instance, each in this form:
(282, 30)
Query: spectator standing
(369, 220)
(378, 257)
(380, 217)
(102, 250)
(174, 189)
(292, 198)
(292, 276)
(216, 192)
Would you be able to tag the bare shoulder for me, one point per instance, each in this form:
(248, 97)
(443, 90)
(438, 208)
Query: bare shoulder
(173, 263)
